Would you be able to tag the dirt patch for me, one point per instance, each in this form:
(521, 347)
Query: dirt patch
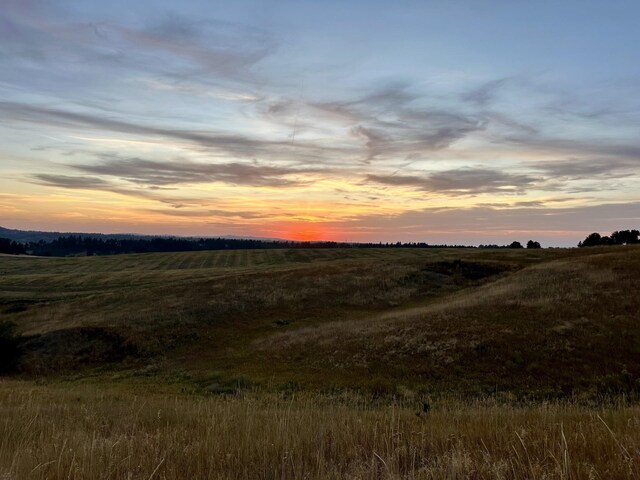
(76, 349)
(468, 271)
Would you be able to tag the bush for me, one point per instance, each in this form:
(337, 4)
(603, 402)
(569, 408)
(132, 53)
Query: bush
(9, 347)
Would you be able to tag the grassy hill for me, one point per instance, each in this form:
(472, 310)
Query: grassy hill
(376, 364)
(464, 320)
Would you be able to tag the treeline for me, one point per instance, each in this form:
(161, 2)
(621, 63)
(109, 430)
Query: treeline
(11, 247)
(619, 237)
(530, 244)
(86, 245)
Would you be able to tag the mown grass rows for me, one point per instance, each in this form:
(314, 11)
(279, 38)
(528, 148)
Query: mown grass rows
(96, 273)
(196, 260)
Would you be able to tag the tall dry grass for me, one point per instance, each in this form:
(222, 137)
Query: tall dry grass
(84, 432)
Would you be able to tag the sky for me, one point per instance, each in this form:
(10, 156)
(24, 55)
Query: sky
(461, 122)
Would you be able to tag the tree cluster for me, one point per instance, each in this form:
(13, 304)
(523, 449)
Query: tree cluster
(514, 244)
(619, 237)
(11, 247)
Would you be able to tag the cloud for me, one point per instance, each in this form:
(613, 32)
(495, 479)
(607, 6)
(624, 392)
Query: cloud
(389, 96)
(72, 182)
(175, 172)
(589, 168)
(215, 46)
(98, 184)
(168, 44)
(209, 213)
(391, 127)
(238, 145)
(376, 141)
(461, 182)
(485, 93)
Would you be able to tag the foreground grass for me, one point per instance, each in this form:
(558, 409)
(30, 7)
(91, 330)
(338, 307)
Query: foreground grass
(82, 432)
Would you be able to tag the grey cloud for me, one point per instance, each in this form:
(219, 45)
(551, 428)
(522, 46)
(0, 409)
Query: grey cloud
(461, 182)
(217, 46)
(581, 168)
(389, 96)
(94, 183)
(390, 126)
(338, 110)
(186, 47)
(98, 184)
(533, 203)
(509, 123)
(206, 213)
(175, 172)
(575, 147)
(485, 93)
(72, 182)
(376, 141)
(235, 144)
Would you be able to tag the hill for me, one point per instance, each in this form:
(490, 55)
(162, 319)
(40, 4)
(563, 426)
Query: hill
(547, 322)
(25, 236)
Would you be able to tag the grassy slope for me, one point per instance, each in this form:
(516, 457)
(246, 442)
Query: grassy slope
(462, 320)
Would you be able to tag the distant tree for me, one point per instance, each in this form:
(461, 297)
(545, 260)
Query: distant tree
(606, 241)
(11, 247)
(619, 237)
(592, 240)
(515, 245)
(532, 244)
(625, 237)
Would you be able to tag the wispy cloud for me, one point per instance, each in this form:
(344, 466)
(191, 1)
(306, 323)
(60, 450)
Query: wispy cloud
(237, 144)
(461, 182)
(590, 168)
(97, 184)
(176, 172)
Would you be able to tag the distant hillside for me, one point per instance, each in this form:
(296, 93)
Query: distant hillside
(56, 244)
(26, 236)
(35, 235)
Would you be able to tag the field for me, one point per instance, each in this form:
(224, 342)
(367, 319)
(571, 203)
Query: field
(319, 364)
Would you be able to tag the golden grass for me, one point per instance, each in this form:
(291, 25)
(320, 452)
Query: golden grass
(83, 432)
(561, 326)
(544, 321)
(545, 286)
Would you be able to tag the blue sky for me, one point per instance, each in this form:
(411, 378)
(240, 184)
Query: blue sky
(459, 122)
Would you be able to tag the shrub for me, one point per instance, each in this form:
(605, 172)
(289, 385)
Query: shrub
(9, 347)
(533, 244)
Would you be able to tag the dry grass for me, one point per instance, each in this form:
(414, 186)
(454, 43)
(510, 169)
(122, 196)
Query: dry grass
(393, 323)
(551, 322)
(556, 327)
(54, 433)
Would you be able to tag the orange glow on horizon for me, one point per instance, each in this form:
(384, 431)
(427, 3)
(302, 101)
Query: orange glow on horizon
(306, 232)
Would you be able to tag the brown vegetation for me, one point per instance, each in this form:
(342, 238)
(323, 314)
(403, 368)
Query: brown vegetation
(318, 364)
(55, 433)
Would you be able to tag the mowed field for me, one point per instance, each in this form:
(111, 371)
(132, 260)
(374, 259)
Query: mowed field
(320, 364)
(548, 322)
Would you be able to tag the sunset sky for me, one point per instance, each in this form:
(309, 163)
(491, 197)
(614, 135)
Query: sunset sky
(441, 121)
